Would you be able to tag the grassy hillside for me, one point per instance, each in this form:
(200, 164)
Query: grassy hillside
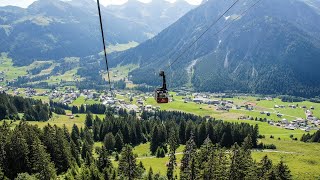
(302, 158)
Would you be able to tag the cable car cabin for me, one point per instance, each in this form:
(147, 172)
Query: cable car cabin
(161, 94)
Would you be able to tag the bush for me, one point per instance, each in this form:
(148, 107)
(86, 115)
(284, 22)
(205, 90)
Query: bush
(269, 146)
(261, 136)
(271, 137)
(291, 136)
(160, 153)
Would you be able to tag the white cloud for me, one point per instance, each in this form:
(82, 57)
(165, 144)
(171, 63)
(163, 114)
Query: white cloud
(26, 3)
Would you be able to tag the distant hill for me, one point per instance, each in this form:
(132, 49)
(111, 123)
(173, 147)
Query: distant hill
(273, 49)
(52, 29)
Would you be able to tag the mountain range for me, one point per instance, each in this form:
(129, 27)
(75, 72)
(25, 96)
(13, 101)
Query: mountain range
(273, 48)
(54, 29)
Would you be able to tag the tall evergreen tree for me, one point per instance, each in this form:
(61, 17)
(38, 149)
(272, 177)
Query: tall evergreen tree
(241, 163)
(40, 162)
(109, 142)
(265, 167)
(118, 141)
(75, 136)
(128, 167)
(282, 171)
(150, 174)
(247, 144)
(173, 144)
(182, 132)
(89, 120)
(75, 110)
(202, 133)
(103, 160)
(86, 152)
(154, 144)
(188, 163)
(82, 109)
(17, 153)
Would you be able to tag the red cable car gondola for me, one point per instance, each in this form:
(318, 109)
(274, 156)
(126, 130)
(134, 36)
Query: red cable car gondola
(161, 94)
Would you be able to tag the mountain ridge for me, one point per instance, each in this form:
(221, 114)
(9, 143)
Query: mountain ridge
(265, 49)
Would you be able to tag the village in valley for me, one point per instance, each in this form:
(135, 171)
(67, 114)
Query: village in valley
(285, 115)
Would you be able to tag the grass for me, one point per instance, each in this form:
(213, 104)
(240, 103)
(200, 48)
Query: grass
(302, 158)
(120, 47)
(59, 120)
(179, 105)
(10, 72)
(67, 76)
(120, 72)
(81, 100)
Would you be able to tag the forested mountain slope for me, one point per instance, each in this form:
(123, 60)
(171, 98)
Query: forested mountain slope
(274, 48)
(54, 29)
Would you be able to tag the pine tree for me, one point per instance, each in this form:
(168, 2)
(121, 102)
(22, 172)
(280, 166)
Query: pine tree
(282, 171)
(188, 162)
(265, 166)
(202, 133)
(82, 109)
(103, 159)
(75, 136)
(96, 129)
(206, 153)
(254, 136)
(150, 174)
(89, 120)
(172, 157)
(127, 164)
(17, 153)
(86, 152)
(154, 144)
(75, 151)
(247, 144)
(109, 142)
(189, 130)
(75, 110)
(182, 132)
(211, 132)
(241, 163)
(40, 162)
(3, 111)
(118, 141)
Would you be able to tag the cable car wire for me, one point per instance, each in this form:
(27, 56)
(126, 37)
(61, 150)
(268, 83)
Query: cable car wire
(104, 44)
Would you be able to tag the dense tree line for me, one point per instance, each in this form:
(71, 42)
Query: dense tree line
(96, 108)
(127, 129)
(34, 110)
(287, 98)
(60, 105)
(38, 69)
(49, 152)
(315, 137)
(121, 84)
(23, 80)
